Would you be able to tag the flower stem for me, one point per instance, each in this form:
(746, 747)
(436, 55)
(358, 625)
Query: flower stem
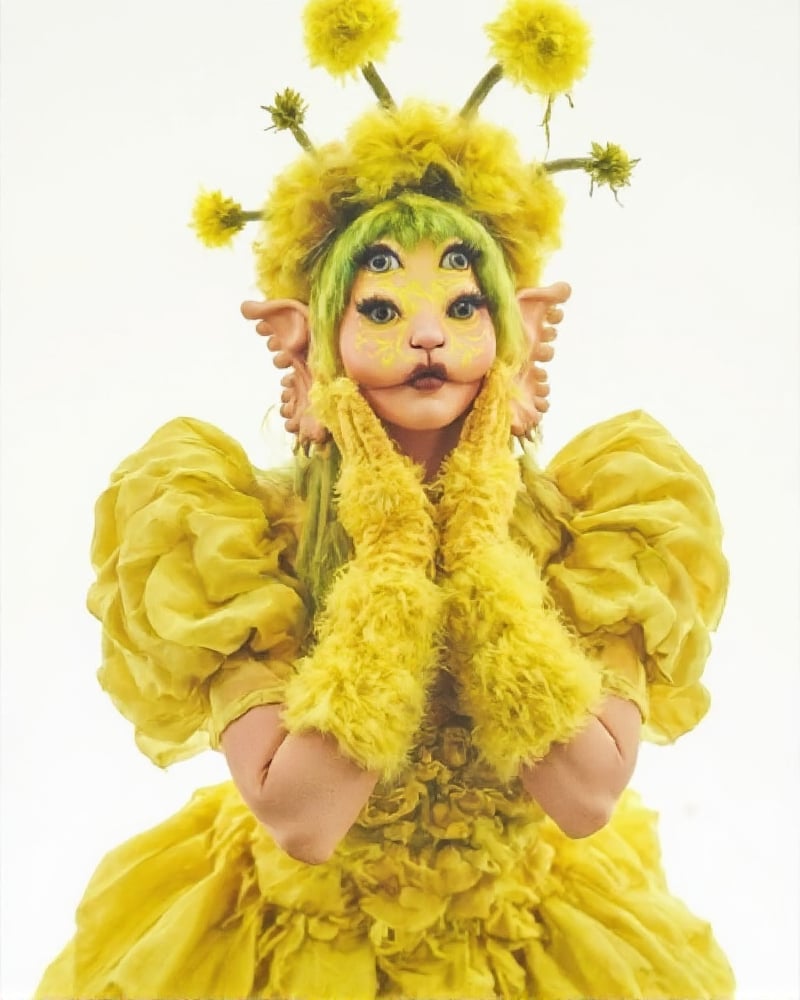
(301, 137)
(251, 216)
(570, 163)
(378, 86)
(481, 91)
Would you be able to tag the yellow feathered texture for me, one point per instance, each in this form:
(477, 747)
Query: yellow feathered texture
(543, 45)
(216, 219)
(366, 680)
(199, 618)
(417, 147)
(524, 678)
(344, 35)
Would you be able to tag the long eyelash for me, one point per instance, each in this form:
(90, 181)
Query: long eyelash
(470, 251)
(376, 248)
(365, 306)
(474, 298)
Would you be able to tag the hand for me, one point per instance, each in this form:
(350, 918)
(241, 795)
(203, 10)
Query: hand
(481, 477)
(382, 504)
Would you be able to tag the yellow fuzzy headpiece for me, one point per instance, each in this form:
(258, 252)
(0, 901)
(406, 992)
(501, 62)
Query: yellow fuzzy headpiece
(419, 146)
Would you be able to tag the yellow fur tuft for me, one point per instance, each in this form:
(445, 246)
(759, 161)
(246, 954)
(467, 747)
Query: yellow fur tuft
(344, 35)
(217, 219)
(543, 45)
(366, 681)
(524, 678)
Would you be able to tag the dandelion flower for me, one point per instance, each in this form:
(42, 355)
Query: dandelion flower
(543, 45)
(288, 113)
(610, 165)
(217, 219)
(343, 36)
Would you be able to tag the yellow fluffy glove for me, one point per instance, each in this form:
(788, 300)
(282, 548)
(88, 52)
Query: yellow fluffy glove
(366, 680)
(523, 678)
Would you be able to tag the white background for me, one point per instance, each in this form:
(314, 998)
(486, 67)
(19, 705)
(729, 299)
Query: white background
(114, 320)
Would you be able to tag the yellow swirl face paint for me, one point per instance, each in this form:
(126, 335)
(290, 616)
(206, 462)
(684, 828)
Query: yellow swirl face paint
(417, 329)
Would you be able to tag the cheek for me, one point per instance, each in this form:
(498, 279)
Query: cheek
(473, 344)
(370, 350)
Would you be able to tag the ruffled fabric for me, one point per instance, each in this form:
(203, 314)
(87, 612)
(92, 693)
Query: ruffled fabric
(468, 893)
(642, 575)
(202, 616)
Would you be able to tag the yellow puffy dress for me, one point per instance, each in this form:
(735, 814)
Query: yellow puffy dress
(451, 884)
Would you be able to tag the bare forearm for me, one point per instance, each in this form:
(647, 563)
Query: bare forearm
(578, 783)
(298, 786)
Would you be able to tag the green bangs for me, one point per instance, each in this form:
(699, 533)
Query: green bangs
(410, 219)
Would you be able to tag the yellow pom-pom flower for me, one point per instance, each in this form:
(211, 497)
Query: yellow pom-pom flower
(543, 45)
(217, 219)
(343, 36)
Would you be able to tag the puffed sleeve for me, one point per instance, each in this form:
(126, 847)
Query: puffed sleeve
(642, 575)
(202, 616)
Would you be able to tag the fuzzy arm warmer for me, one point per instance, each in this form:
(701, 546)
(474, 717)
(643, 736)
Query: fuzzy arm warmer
(365, 682)
(523, 677)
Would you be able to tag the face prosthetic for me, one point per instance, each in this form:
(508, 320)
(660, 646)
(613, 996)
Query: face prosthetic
(416, 335)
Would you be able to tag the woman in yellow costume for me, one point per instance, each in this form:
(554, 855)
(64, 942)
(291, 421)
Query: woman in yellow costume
(427, 661)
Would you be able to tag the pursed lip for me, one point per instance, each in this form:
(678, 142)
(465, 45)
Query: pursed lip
(427, 377)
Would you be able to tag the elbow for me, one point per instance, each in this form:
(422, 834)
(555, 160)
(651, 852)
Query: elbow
(582, 819)
(303, 846)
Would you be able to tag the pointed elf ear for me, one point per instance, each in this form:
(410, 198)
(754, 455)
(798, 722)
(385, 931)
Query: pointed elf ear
(284, 322)
(539, 308)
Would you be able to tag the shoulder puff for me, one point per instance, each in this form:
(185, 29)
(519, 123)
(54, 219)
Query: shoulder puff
(200, 609)
(642, 568)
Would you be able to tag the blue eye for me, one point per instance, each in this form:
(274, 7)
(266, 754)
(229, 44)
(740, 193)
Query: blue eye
(380, 260)
(457, 258)
(380, 311)
(465, 306)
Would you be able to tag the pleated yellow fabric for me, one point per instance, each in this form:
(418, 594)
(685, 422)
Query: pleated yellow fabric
(452, 883)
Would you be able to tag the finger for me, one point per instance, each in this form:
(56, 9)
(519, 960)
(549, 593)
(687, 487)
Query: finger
(556, 293)
(539, 374)
(254, 310)
(542, 405)
(282, 360)
(554, 314)
(544, 352)
(547, 334)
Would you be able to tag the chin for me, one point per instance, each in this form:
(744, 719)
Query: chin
(412, 410)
